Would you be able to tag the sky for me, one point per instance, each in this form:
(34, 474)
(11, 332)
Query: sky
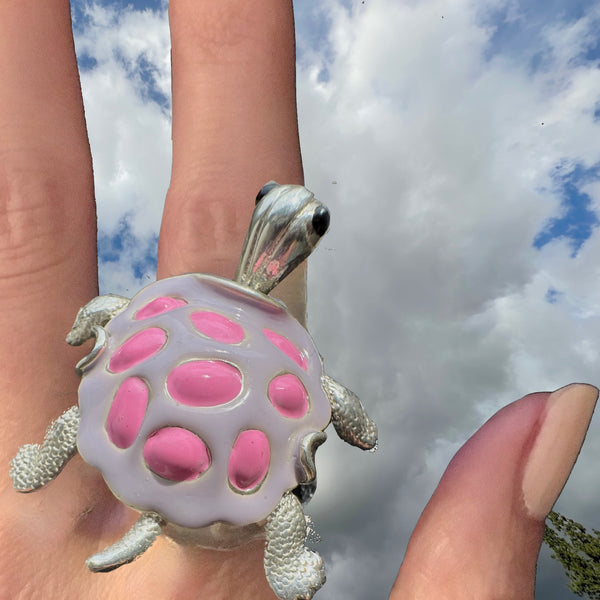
(457, 145)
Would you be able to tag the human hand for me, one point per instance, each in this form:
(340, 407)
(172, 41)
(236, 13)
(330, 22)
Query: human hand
(481, 532)
(234, 128)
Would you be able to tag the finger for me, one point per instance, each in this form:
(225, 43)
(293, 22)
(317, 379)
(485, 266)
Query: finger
(234, 126)
(47, 216)
(480, 534)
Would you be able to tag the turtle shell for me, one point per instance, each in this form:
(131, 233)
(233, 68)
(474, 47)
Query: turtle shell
(197, 405)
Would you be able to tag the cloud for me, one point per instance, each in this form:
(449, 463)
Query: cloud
(428, 297)
(125, 79)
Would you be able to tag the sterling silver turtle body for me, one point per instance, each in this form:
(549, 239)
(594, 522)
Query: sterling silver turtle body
(202, 404)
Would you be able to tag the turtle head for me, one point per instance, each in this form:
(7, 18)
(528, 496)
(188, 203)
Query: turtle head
(286, 226)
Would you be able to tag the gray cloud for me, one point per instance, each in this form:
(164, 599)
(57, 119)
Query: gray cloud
(428, 297)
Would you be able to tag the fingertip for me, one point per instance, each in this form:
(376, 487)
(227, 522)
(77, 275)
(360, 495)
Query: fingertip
(563, 427)
(474, 533)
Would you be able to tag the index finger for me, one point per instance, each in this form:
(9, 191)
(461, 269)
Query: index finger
(47, 213)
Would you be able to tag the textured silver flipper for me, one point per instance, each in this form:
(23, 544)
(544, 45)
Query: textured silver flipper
(134, 543)
(293, 571)
(98, 311)
(37, 464)
(350, 419)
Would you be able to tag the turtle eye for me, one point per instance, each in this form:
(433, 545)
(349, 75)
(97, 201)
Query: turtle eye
(265, 189)
(320, 220)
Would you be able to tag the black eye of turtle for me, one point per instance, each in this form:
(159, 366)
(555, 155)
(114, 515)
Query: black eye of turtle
(265, 189)
(320, 220)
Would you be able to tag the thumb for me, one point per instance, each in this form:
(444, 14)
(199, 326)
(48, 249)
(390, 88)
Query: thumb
(480, 534)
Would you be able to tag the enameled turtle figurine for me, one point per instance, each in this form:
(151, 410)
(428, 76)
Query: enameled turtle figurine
(202, 404)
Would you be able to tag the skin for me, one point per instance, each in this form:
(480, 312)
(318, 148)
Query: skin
(234, 128)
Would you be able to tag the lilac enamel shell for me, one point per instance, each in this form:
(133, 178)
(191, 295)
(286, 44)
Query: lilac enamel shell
(197, 406)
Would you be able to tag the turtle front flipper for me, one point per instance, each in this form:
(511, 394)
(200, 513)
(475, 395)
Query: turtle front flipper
(134, 543)
(293, 571)
(349, 418)
(37, 464)
(97, 312)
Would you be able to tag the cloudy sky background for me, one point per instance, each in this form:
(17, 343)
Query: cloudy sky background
(457, 144)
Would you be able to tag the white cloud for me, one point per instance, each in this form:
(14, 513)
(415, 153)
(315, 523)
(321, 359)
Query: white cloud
(129, 127)
(428, 297)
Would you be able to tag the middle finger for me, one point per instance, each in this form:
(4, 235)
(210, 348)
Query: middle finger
(234, 127)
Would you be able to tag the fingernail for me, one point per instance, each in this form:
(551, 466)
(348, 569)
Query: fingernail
(567, 416)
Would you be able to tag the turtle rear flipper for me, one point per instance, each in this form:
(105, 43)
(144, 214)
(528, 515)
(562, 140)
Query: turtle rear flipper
(133, 544)
(350, 419)
(37, 464)
(293, 571)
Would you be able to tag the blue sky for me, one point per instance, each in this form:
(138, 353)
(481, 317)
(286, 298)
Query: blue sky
(460, 271)
(135, 4)
(523, 36)
(518, 29)
(577, 219)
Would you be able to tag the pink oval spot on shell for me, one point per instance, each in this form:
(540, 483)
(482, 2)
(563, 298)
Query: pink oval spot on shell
(127, 412)
(137, 348)
(158, 306)
(288, 396)
(287, 348)
(249, 460)
(217, 327)
(176, 454)
(204, 383)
